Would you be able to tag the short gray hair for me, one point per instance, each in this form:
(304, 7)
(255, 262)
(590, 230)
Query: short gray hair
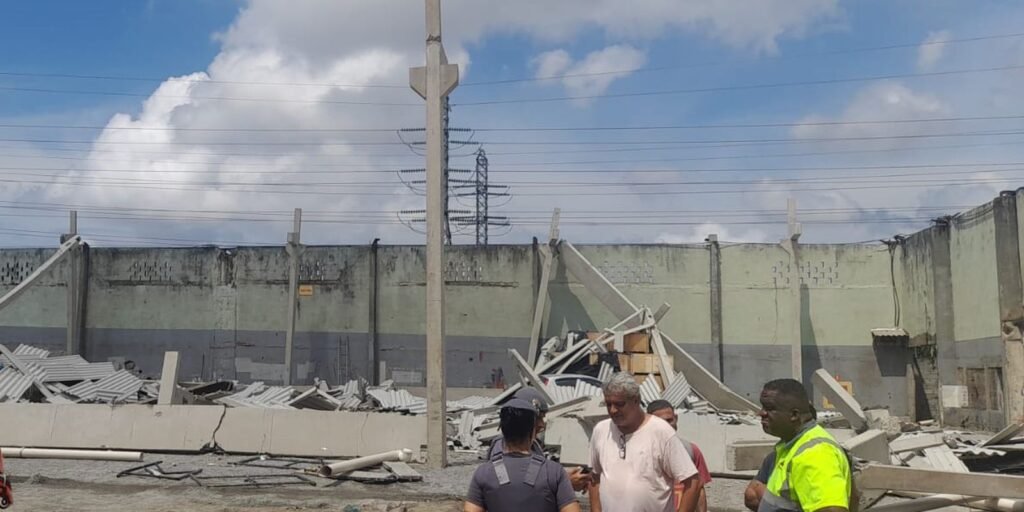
(624, 383)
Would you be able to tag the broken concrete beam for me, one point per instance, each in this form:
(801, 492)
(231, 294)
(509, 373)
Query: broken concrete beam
(908, 443)
(881, 419)
(596, 283)
(704, 382)
(843, 401)
(895, 478)
(872, 445)
(1005, 434)
(169, 394)
(573, 439)
(747, 455)
(188, 428)
(526, 371)
(943, 458)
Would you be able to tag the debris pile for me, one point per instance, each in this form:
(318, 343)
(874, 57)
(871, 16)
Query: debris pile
(31, 374)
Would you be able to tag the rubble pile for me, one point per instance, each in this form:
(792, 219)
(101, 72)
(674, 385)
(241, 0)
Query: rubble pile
(31, 374)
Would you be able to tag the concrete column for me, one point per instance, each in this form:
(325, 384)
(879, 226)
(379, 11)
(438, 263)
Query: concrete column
(433, 83)
(1011, 302)
(76, 289)
(942, 279)
(791, 246)
(169, 394)
(715, 285)
(373, 350)
(295, 250)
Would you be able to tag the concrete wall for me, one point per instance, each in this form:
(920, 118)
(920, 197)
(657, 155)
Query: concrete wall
(225, 310)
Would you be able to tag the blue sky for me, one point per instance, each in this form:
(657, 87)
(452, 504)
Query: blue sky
(170, 162)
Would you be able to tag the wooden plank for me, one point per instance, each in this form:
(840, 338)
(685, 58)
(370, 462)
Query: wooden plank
(403, 471)
(895, 478)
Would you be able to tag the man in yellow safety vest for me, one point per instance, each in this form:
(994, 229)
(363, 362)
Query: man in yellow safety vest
(812, 471)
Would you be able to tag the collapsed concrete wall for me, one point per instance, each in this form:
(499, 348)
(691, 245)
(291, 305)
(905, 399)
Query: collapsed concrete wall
(954, 288)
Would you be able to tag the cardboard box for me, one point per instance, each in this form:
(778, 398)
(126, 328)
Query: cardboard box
(624, 363)
(646, 363)
(637, 342)
(640, 378)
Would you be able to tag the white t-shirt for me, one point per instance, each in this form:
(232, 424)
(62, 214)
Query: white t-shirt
(642, 481)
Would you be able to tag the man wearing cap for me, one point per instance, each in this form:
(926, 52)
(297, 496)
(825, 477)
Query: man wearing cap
(580, 480)
(517, 479)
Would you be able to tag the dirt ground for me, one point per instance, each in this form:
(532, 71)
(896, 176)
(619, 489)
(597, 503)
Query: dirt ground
(66, 486)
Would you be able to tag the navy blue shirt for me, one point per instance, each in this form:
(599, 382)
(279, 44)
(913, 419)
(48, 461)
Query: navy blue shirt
(551, 491)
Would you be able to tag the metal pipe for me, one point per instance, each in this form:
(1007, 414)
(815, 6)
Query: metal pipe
(347, 466)
(48, 453)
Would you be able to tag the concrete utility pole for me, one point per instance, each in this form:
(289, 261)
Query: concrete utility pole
(74, 288)
(294, 249)
(715, 285)
(791, 245)
(433, 83)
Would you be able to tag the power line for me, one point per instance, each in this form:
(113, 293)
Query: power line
(128, 78)
(777, 85)
(529, 129)
(210, 98)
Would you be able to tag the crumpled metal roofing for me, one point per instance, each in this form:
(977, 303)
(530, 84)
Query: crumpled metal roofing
(13, 384)
(66, 368)
(677, 391)
(398, 400)
(85, 390)
(650, 390)
(117, 386)
(29, 350)
(470, 403)
(605, 372)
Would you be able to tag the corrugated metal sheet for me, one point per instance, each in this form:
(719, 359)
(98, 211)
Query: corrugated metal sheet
(943, 459)
(605, 372)
(13, 385)
(85, 390)
(350, 403)
(29, 350)
(470, 403)
(677, 391)
(117, 386)
(398, 400)
(650, 390)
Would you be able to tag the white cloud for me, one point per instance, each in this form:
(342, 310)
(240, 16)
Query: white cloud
(698, 234)
(932, 49)
(592, 75)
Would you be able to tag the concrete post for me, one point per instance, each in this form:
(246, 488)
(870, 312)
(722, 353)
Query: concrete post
(791, 246)
(373, 350)
(169, 394)
(540, 306)
(433, 83)
(75, 289)
(942, 279)
(295, 250)
(1011, 302)
(715, 285)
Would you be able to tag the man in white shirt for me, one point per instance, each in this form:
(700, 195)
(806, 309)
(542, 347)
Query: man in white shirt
(637, 459)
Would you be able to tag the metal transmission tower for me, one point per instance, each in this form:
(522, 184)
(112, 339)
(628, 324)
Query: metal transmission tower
(479, 188)
(474, 184)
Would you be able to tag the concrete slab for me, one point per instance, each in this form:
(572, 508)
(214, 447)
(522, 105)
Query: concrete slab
(872, 445)
(747, 455)
(843, 401)
(907, 443)
(573, 439)
(184, 428)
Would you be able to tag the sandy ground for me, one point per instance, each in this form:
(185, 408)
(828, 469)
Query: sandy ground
(59, 486)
